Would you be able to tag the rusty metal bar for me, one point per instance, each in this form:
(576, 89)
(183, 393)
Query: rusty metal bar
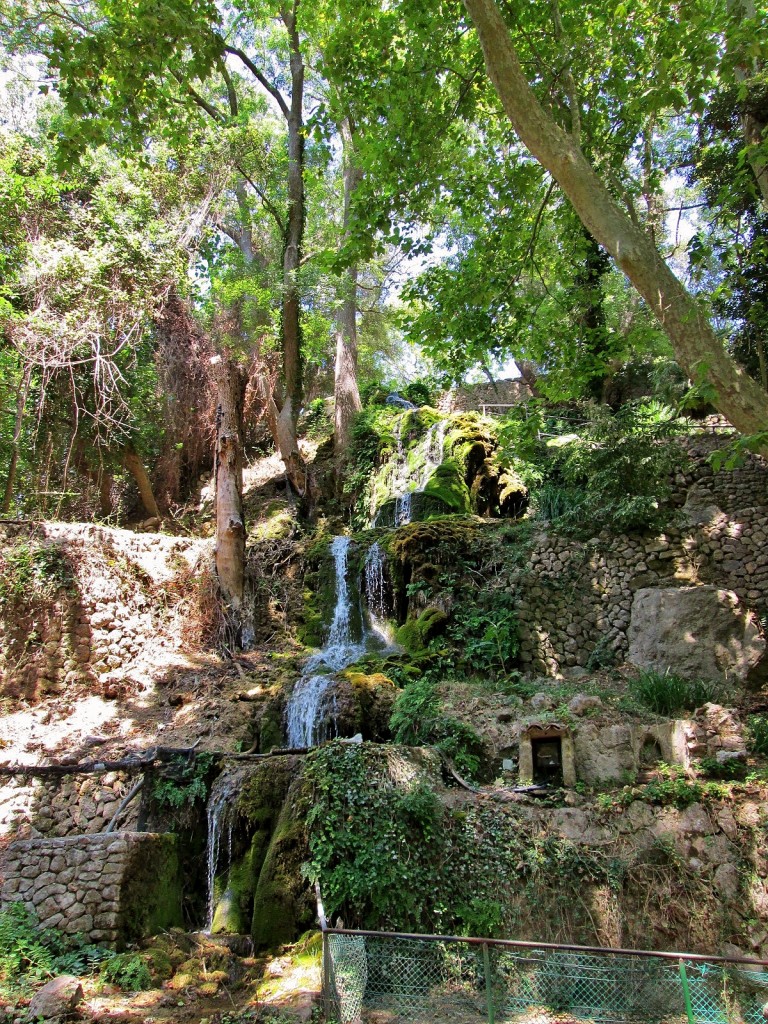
(518, 944)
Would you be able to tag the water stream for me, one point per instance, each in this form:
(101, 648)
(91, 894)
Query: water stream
(221, 822)
(310, 713)
(375, 593)
(433, 447)
(310, 704)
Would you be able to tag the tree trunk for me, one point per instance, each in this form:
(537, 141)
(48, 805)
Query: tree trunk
(698, 350)
(228, 475)
(347, 395)
(10, 480)
(294, 238)
(135, 467)
(754, 127)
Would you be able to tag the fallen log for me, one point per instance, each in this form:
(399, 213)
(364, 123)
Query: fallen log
(133, 762)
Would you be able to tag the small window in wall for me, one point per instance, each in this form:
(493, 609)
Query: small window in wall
(650, 753)
(548, 761)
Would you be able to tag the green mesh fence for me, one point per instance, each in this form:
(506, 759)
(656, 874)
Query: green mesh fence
(386, 978)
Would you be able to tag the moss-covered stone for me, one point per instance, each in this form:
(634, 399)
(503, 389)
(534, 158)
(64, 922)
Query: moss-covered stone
(415, 634)
(151, 889)
(364, 704)
(232, 913)
(270, 727)
(282, 903)
(448, 485)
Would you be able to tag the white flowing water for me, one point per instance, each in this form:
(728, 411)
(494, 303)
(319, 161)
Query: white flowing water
(375, 594)
(434, 451)
(221, 821)
(433, 447)
(308, 707)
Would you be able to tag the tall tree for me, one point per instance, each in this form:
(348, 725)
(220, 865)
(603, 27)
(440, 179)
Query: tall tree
(138, 72)
(697, 347)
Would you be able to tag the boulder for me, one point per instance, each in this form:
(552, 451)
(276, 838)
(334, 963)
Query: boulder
(56, 1000)
(697, 632)
(583, 703)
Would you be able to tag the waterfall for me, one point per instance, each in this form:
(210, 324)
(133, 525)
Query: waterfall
(305, 711)
(433, 452)
(374, 580)
(403, 505)
(374, 592)
(433, 449)
(221, 820)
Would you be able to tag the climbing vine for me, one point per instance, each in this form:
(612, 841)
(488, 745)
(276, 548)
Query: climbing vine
(388, 855)
(376, 842)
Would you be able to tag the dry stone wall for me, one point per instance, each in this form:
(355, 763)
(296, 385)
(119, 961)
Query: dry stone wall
(475, 397)
(99, 622)
(67, 806)
(111, 888)
(576, 600)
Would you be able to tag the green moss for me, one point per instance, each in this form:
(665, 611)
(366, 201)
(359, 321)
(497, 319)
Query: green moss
(233, 905)
(270, 729)
(415, 634)
(159, 964)
(151, 889)
(319, 594)
(447, 484)
(282, 904)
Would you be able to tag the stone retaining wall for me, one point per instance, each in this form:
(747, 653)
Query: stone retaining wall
(71, 805)
(97, 624)
(112, 889)
(576, 600)
(475, 396)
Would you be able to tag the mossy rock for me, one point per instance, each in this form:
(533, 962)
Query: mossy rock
(232, 906)
(513, 494)
(159, 964)
(440, 542)
(448, 486)
(415, 634)
(152, 887)
(283, 905)
(261, 797)
(271, 727)
(364, 704)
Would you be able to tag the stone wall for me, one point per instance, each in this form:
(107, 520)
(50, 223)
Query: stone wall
(576, 601)
(112, 889)
(98, 622)
(67, 806)
(475, 396)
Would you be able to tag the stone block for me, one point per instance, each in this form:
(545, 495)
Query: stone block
(697, 632)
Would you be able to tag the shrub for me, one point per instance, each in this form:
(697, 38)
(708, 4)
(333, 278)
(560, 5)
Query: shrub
(757, 729)
(617, 473)
(665, 692)
(186, 781)
(128, 971)
(714, 769)
(29, 568)
(417, 719)
(29, 953)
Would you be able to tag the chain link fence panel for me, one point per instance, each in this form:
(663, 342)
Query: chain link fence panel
(388, 978)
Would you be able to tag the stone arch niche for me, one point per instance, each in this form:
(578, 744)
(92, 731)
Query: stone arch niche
(546, 755)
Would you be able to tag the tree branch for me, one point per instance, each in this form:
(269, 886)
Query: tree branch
(267, 203)
(274, 92)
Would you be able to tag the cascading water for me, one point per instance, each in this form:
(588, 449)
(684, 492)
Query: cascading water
(434, 452)
(221, 821)
(305, 713)
(375, 593)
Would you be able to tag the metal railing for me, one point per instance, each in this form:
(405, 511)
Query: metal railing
(429, 978)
